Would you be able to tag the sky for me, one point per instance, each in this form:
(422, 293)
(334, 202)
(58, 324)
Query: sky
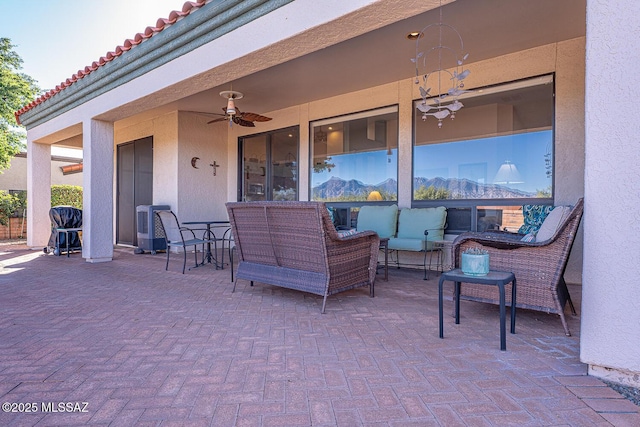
(56, 38)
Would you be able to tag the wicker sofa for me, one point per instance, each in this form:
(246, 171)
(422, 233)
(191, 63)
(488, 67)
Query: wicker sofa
(539, 266)
(295, 245)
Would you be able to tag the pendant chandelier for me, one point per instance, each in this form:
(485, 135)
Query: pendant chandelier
(431, 51)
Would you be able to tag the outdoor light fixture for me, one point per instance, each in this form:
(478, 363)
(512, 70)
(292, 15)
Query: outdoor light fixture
(231, 95)
(430, 72)
(320, 136)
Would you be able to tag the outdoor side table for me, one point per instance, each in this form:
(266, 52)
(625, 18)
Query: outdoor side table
(495, 278)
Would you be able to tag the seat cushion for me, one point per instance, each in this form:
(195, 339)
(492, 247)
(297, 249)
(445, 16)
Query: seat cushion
(551, 223)
(413, 222)
(401, 244)
(381, 219)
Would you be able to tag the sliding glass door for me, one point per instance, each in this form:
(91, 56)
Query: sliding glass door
(135, 186)
(269, 166)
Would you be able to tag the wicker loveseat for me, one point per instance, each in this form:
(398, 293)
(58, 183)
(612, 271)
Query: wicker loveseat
(295, 245)
(539, 266)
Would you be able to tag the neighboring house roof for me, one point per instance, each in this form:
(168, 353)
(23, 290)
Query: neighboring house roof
(69, 169)
(55, 158)
(75, 165)
(161, 24)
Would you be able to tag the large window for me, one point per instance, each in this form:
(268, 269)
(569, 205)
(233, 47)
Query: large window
(499, 147)
(355, 157)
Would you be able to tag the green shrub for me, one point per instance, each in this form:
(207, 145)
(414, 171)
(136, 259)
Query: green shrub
(66, 195)
(19, 209)
(8, 204)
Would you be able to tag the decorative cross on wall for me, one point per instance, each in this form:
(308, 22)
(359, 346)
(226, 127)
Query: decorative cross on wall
(214, 165)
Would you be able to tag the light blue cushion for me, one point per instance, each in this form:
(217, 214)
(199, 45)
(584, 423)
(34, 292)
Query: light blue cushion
(381, 219)
(413, 222)
(415, 245)
(400, 244)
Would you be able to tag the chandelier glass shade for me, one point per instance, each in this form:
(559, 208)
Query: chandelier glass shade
(436, 45)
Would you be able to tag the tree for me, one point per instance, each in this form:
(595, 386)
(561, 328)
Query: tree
(8, 204)
(430, 193)
(16, 90)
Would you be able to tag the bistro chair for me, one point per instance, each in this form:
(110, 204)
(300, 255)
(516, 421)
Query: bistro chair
(182, 237)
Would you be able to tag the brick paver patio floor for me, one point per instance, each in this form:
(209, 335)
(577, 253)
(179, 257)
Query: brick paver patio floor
(143, 346)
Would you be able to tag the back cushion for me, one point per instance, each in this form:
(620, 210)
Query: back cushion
(413, 222)
(381, 219)
(551, 223)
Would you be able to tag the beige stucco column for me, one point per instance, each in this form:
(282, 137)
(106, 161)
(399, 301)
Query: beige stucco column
(610, 318)
(405, 142)
(97, 214)
(38, 194)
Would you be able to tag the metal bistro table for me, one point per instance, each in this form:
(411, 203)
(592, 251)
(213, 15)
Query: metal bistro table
(496, 278)
(210, 236)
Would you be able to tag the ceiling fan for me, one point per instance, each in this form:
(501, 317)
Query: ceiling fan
(233, 113)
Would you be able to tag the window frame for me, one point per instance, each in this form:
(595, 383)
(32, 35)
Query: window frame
(474, 204)
(268, 187)
(392, 108)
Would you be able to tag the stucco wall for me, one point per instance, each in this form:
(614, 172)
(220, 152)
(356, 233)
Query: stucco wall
(566, 59)
(201, 195)
(610, 328)
(164, 130)
(15, 178)
(196, 194)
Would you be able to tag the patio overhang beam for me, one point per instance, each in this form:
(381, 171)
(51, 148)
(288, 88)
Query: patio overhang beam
(210, 22)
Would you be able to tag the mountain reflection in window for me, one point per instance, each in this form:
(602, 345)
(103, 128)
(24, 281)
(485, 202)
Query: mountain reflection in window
(499, 147)
(355, 155)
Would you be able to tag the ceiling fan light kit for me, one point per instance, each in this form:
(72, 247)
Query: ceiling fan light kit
(234, 115)
(231, 95)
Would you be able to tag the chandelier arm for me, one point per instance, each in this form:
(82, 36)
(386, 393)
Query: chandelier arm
(450, 105)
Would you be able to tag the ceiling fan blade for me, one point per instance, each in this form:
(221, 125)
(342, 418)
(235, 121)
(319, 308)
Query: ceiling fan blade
(242, 122)
(218, 120)
(253, 117)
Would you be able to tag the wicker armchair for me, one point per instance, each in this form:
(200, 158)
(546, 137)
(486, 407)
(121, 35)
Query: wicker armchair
(295, 245)
(539, 266)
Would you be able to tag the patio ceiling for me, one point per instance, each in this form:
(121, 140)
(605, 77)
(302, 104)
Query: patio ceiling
(489, 29)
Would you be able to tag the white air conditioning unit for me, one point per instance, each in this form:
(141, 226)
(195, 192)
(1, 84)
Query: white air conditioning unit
(150, 233)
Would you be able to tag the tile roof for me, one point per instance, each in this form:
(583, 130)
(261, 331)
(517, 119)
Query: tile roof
(128, 44)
